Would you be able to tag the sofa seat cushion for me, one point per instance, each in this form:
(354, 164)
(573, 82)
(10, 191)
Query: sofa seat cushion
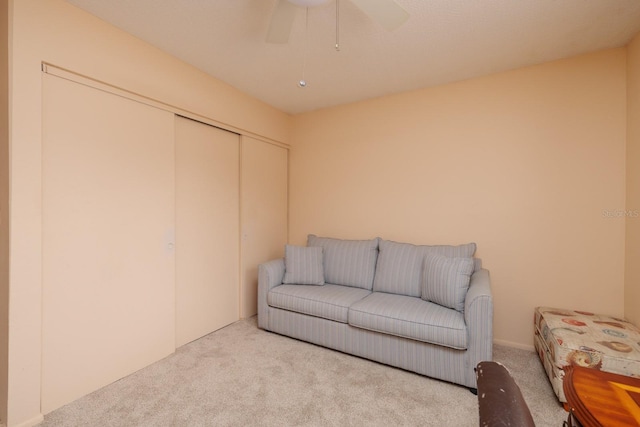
(329, 301)
(410, 317)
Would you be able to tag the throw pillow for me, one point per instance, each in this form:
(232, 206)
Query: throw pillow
(303, 265)
(445, 280)
(400, 265)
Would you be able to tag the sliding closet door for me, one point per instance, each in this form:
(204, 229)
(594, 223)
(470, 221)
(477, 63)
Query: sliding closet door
(207, 229)
(108, 217)
(264, 212)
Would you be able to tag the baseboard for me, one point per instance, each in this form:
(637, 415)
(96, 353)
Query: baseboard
(514, 345)
(29, 423)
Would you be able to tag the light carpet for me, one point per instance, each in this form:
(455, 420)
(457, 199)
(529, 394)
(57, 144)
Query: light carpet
(243, 376)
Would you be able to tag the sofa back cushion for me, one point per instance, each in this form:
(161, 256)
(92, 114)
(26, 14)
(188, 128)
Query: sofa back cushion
(347, 262)
(399, 267)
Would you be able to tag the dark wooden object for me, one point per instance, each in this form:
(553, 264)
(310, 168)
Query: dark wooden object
(500, 400)
(598, 398)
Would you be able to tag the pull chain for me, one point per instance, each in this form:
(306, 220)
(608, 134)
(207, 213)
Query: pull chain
(303, 83)
(338, 25)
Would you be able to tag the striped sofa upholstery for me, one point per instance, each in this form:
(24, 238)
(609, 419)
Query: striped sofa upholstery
(364, 310)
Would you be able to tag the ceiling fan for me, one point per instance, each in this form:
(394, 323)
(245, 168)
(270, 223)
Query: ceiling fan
(387, 13)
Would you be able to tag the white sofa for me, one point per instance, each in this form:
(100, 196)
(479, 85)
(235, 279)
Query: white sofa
(426, 309)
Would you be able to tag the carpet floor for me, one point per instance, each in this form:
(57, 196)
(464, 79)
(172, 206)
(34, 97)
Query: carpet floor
(243, 376)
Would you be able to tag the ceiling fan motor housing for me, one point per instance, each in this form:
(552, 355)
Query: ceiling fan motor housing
(309, 3)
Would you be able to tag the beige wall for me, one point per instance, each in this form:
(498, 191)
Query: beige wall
(632, 265)
(56, 32)
(528, 164)
(4, 205)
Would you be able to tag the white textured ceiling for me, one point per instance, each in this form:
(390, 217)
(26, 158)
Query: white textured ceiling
(443, 41)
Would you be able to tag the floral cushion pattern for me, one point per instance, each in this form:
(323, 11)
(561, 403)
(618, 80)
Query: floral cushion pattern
(570, 337)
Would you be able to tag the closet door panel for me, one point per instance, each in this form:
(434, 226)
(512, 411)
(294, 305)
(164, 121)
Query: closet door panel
(108, 215)
(207, 229)
(264, 212)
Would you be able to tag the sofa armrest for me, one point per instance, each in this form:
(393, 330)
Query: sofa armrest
(478, 315)
(479, 291)
(270, 274)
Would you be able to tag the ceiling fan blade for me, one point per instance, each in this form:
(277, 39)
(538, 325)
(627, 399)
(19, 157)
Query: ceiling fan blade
(281, 22)
(385, 12)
